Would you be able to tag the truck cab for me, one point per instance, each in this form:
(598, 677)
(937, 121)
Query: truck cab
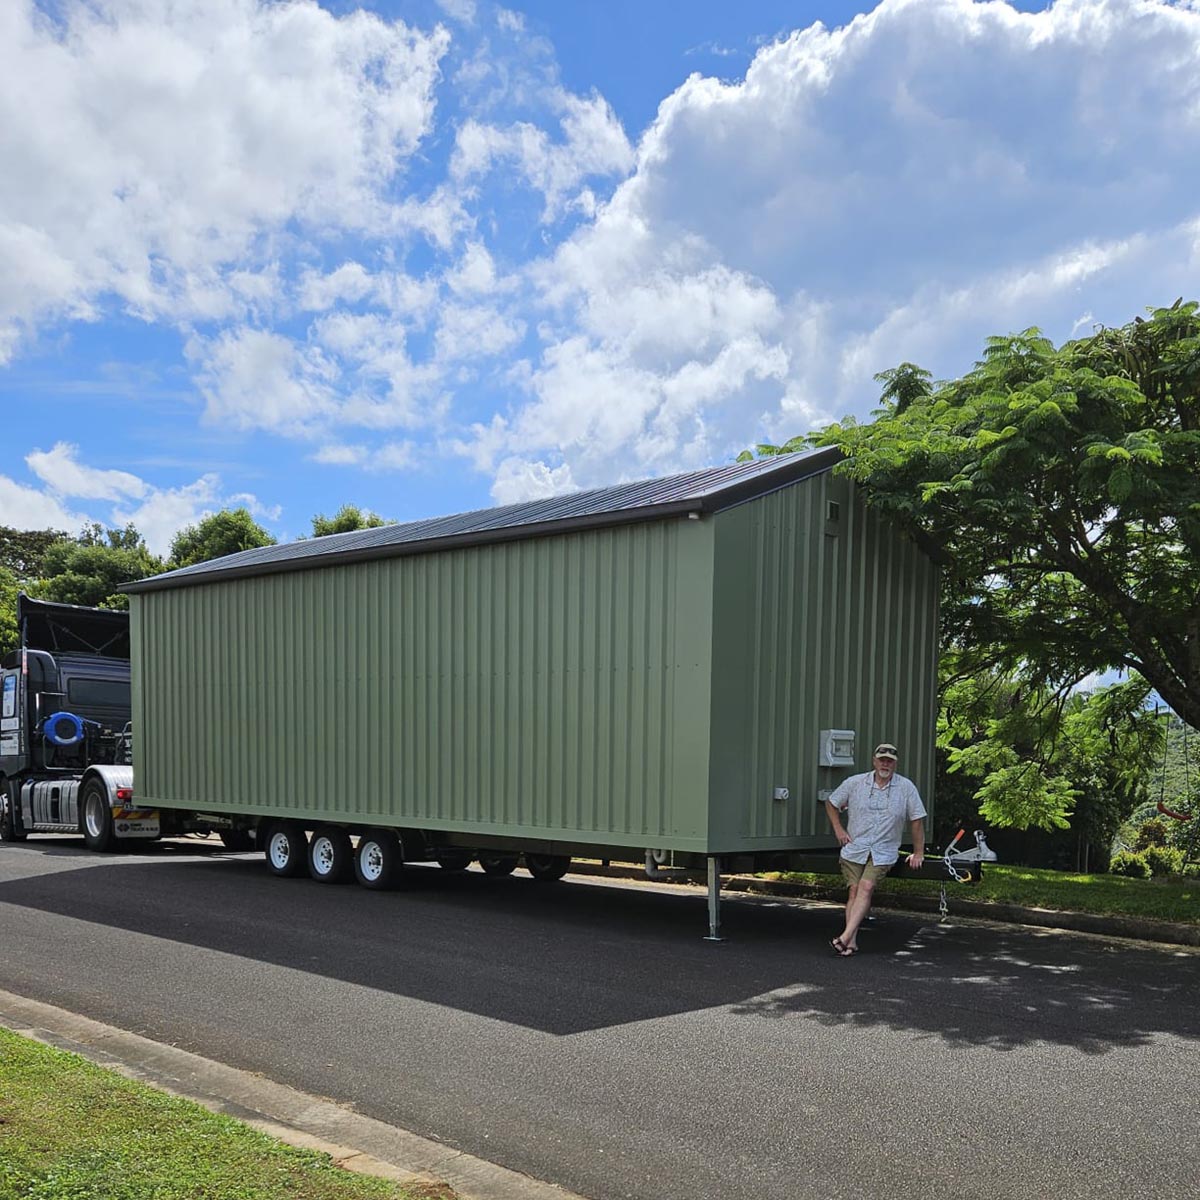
(64, 723)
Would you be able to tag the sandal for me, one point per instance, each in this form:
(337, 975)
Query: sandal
(841, 949)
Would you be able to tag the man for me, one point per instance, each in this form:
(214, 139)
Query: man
(878, 804)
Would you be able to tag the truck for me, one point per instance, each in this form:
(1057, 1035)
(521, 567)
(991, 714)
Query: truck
(676, 671)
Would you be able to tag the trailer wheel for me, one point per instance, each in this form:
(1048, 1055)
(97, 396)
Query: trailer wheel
(96, 821)
(379, 860)
(454, 860)
(498, 864)
(286, 850)
(549, 868)
(8, 822)
(330, 856)
(237, 839)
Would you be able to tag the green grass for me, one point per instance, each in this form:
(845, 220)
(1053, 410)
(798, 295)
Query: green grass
(1163, 900)
(72, 1131)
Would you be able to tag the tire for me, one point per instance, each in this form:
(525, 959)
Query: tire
(498, 864)
(8, 823)
(549, 868)
(454, 860)
(237, 839)
(286, 849)
(379, 860)
(95, 818)
(330, 855)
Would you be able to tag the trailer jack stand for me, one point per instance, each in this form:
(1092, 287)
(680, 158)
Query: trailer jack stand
(714, 900)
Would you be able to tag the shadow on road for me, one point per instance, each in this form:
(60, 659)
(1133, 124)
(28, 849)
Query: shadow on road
(574, 956)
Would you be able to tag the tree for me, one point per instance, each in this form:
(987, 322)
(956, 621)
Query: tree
(348, 518)
(92, 568)
(1060, 491)
(23, 551)
(224, 532)
(9, 586)
(1034, 759)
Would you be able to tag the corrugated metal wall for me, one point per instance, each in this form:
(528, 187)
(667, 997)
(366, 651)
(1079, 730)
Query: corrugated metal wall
(818, 624)
(556, 685)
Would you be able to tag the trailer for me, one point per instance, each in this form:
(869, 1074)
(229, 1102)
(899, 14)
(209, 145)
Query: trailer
(676, 671)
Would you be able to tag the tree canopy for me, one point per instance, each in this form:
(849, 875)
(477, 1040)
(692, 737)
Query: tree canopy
(91, 568)
(347, 518)
(221, 533)
(1059, 488)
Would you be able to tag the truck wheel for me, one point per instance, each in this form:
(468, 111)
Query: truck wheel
(549, 868)
(498, 864)
(97, 819)
(237, 839)
(379, 861)
(286, 850)
(8, 823)
(330, 857)
(454, 860)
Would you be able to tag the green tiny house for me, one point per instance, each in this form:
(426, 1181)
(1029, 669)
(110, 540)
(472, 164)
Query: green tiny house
(649, 666)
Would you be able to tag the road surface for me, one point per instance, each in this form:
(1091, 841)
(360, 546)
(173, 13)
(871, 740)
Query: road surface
(584, 1033)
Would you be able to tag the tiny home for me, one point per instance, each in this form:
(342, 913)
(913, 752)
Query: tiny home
(683, 666)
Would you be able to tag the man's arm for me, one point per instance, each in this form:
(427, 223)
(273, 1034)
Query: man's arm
(917, 857)
(835, 822)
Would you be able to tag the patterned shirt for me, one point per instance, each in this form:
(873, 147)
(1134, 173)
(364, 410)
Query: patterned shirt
(877, 816)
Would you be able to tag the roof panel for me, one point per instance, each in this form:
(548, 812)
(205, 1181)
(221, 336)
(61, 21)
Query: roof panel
(707, 490)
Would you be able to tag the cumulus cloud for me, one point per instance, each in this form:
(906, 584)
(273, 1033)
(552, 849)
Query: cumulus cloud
(152, 149)
(934, 172)
(592, 143)
(114, 498)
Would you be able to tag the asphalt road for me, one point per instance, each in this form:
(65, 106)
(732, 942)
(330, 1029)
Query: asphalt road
(584, 1033)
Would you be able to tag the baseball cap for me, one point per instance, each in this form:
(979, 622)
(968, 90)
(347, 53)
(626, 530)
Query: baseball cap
(886, 750)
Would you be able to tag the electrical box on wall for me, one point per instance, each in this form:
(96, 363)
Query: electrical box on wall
(837, 748)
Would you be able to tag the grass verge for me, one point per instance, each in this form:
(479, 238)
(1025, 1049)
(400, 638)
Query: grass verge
(1110, 895)
(70, 1130)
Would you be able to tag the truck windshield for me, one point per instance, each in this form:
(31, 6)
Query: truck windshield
(98, 693)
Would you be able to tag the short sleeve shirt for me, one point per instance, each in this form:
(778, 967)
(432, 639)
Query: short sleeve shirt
(876, 816)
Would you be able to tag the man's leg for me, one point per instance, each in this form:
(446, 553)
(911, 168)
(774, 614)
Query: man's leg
(856, 912)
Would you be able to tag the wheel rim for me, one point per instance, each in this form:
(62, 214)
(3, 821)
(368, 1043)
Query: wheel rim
(93, 816)
(323, 855)
(281, 851)
(370, 861)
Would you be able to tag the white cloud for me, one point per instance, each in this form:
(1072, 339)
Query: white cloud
(592, 144)
(153, 151)
(934, 172)
(25, 507)
(60, 470)
(518, 479)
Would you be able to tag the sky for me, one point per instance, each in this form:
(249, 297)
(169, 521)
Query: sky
(430, 256)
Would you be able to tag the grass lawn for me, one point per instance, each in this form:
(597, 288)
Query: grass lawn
(72, 1131)
(1164, 900)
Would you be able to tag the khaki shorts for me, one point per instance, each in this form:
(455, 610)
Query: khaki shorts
(854, 873)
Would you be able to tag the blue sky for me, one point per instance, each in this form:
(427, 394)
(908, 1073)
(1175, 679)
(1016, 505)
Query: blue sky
(431, 256)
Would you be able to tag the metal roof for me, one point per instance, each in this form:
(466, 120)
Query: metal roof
(705, 491)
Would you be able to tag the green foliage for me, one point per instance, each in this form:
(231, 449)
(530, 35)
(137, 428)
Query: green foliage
(347, 518)
(1059, 488)
(23, 551)
(91, 568)
(9, 586)
(767, 450)
(1152, 833)
(1039, 760)
(221, 533)
(1130, 864)
(1163, 861)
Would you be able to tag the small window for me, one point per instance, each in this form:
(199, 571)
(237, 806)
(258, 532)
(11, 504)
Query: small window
(98, 693)
(10, 696)
(833, 510)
